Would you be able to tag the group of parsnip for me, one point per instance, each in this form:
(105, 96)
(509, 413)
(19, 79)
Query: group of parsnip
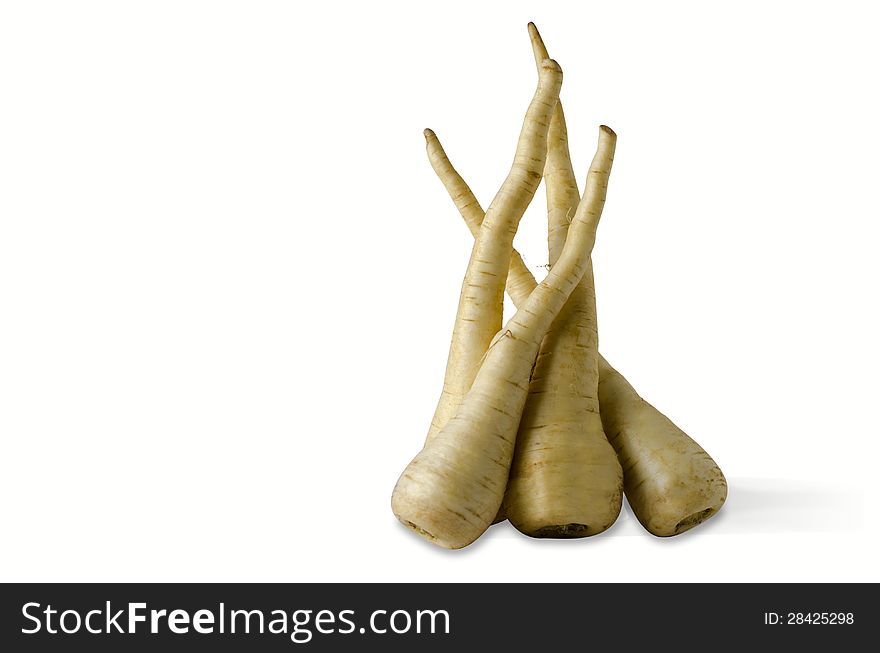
(533, 424)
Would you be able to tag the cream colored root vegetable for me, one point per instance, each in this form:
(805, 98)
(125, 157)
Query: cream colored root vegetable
(478, 318)
(451, 491)
(480, 305)
(671, 483)
(688, 487)
(565, 480)
(520, 282)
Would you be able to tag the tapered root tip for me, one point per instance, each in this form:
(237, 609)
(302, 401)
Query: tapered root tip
(538, 46)
(607, 141)
(429, 134)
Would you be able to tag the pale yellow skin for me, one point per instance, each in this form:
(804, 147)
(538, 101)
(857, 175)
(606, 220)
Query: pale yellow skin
(453, 488)
(672, 484)
(480, 305)
(520, 283)
(565, 480)
(678, 485)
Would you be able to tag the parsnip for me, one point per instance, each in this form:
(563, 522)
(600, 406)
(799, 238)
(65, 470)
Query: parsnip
(676, 485)
(671, 483)
(520, 282)
(453, 488)
(481, 301)
(565, 480)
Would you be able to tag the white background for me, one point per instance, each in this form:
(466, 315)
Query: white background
(228, 277)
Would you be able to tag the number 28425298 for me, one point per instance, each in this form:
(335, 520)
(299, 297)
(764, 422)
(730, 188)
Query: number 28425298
(811, 618)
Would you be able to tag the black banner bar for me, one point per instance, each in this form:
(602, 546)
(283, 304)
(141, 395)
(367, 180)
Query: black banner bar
(433, 617)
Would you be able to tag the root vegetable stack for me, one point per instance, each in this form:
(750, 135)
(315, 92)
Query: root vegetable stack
(533, 424)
